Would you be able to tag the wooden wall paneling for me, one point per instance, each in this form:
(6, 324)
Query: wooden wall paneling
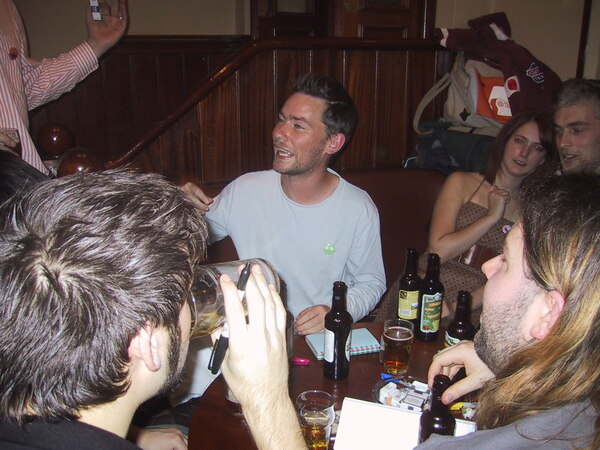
(392, 132)
(37, 118)
(361, 82)
(421, 76)
(170, 83)
(119, 97)
(289, 65)
(145, 104)
(148, 161)
(92, 128)
(328, 62)
(196, 67)
(220, 137)
(181, 151)
(258, 112)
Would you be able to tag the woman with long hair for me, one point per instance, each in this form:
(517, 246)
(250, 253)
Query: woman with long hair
(474, 211)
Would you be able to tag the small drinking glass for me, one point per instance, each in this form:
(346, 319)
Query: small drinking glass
(316, 413)
(396, 342)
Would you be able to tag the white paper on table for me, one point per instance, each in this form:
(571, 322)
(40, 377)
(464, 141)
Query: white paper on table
(372, 425)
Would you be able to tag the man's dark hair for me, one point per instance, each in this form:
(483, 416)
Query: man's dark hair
(579, 90)
(85, 262)
(340, 115)
(16, 174)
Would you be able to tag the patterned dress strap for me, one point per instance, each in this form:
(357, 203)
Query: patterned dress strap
(475, 191)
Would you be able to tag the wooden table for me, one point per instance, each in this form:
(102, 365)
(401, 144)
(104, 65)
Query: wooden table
(218, 423)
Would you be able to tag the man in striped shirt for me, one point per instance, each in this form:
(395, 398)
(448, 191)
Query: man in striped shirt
(26, 84)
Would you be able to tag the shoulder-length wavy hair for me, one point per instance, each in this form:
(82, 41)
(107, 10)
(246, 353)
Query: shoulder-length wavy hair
(547, 139)
(561, 232)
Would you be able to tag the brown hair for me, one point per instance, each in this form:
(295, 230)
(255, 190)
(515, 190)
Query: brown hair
(85, 262)
(547, 139)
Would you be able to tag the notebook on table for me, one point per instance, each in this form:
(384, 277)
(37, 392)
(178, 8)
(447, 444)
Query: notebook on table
(362, 341)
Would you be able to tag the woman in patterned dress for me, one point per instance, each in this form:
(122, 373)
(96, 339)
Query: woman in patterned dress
(474, 211)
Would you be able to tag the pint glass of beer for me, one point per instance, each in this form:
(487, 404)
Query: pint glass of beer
(316, 415)
(396, 342)
(206, 298)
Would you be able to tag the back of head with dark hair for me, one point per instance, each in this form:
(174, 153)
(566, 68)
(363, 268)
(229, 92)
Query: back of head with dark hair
(16, 174)
(340, 115)
(579, 90)
(85, 262)
(547, 139)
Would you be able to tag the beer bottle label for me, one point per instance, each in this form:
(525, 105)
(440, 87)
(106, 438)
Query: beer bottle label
(348, 345)
(408, 304)
(431, 311)
(449, 341)
(329, 343)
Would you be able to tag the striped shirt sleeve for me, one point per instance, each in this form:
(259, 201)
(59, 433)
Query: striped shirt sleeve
(48, 79)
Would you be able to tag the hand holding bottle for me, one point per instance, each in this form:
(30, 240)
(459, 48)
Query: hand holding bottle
(450, 361)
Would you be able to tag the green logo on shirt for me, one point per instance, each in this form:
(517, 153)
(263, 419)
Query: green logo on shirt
(329, 249)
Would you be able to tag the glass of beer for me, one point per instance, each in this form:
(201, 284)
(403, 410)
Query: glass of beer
(12, 133)
(316, 414)
(206, 299)
(396, 342)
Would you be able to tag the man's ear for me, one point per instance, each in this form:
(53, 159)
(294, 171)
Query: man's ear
(145, 347)
(547, 310)
(335, 143)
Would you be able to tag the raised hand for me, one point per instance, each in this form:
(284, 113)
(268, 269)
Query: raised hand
(103, 34)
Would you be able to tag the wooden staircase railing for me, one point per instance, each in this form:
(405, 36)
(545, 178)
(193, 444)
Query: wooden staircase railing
(222, 127)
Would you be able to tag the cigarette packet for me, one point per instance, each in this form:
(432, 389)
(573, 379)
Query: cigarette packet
(96, 15)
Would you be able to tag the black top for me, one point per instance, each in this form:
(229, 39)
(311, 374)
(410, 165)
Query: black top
(60, 435)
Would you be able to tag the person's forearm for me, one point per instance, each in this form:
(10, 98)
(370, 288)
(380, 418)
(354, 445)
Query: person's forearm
(52, 77)
(450, 245)
(273, 423)
(363, 297)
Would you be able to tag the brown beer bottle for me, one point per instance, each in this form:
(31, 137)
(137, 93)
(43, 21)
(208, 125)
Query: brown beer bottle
(430, 302)
(410, 282)
(338, 324)
(461, 327)
(438, 418)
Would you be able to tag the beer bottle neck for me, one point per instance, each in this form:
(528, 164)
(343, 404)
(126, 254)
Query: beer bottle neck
(463, 311)
(433, 269)
(440, 383)
(412, 257)
(338, 303)
(463, 307)
(437, 406)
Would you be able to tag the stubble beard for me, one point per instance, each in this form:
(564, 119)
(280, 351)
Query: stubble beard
(176, 361)
(500, 337)
(298, 168)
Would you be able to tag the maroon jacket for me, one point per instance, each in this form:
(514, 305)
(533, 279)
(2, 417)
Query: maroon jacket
(529, 83)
